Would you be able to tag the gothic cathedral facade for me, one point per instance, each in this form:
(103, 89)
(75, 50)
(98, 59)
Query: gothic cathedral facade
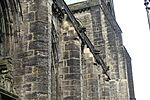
(43, 58)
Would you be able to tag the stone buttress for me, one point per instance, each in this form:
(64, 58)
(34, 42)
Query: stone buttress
(49, 60)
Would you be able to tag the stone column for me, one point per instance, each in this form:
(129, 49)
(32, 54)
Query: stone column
(99, 32)
(71, 82)
(90, 77)
(36, 52)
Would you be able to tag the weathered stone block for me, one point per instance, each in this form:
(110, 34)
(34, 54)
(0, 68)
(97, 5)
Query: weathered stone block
(19, 72)
(42, 78)
(33, 7)
(31, 96)
(72, 76)
(30, 78)
(38, 45)
(40, 37)
(18, 80)
(74, 69)
(93, 88)
(41, 15)
(92, 81)
(41, 70)
(73, 62)
(31, 16)
(42, 61)
(65, 70)
(74, 54)
(38, 27)
(28, 69)
(75, 82)
(27, 87)
(72, 46)
(28, 37)
(42, 53)
(43, 98)
(65, 83)
(65, 55)
(27, 54)
(72, 98)
(40, 87)
(30, 61)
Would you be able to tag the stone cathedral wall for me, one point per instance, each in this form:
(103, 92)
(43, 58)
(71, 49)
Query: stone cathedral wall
(50, 62)
(28, 44)
(107, 39)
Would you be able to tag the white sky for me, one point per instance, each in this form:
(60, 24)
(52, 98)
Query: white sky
(132, 18)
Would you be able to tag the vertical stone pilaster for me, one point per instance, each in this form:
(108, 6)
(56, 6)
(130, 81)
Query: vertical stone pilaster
(99, 32)
(111, 58)
(121, 56)
(99, 42)
(71, 82)
(36, 56)
(90, 78)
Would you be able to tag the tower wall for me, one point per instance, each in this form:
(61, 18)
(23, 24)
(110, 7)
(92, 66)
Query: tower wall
(70, 70)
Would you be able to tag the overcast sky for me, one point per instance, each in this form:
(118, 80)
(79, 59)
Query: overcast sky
(132, 18)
